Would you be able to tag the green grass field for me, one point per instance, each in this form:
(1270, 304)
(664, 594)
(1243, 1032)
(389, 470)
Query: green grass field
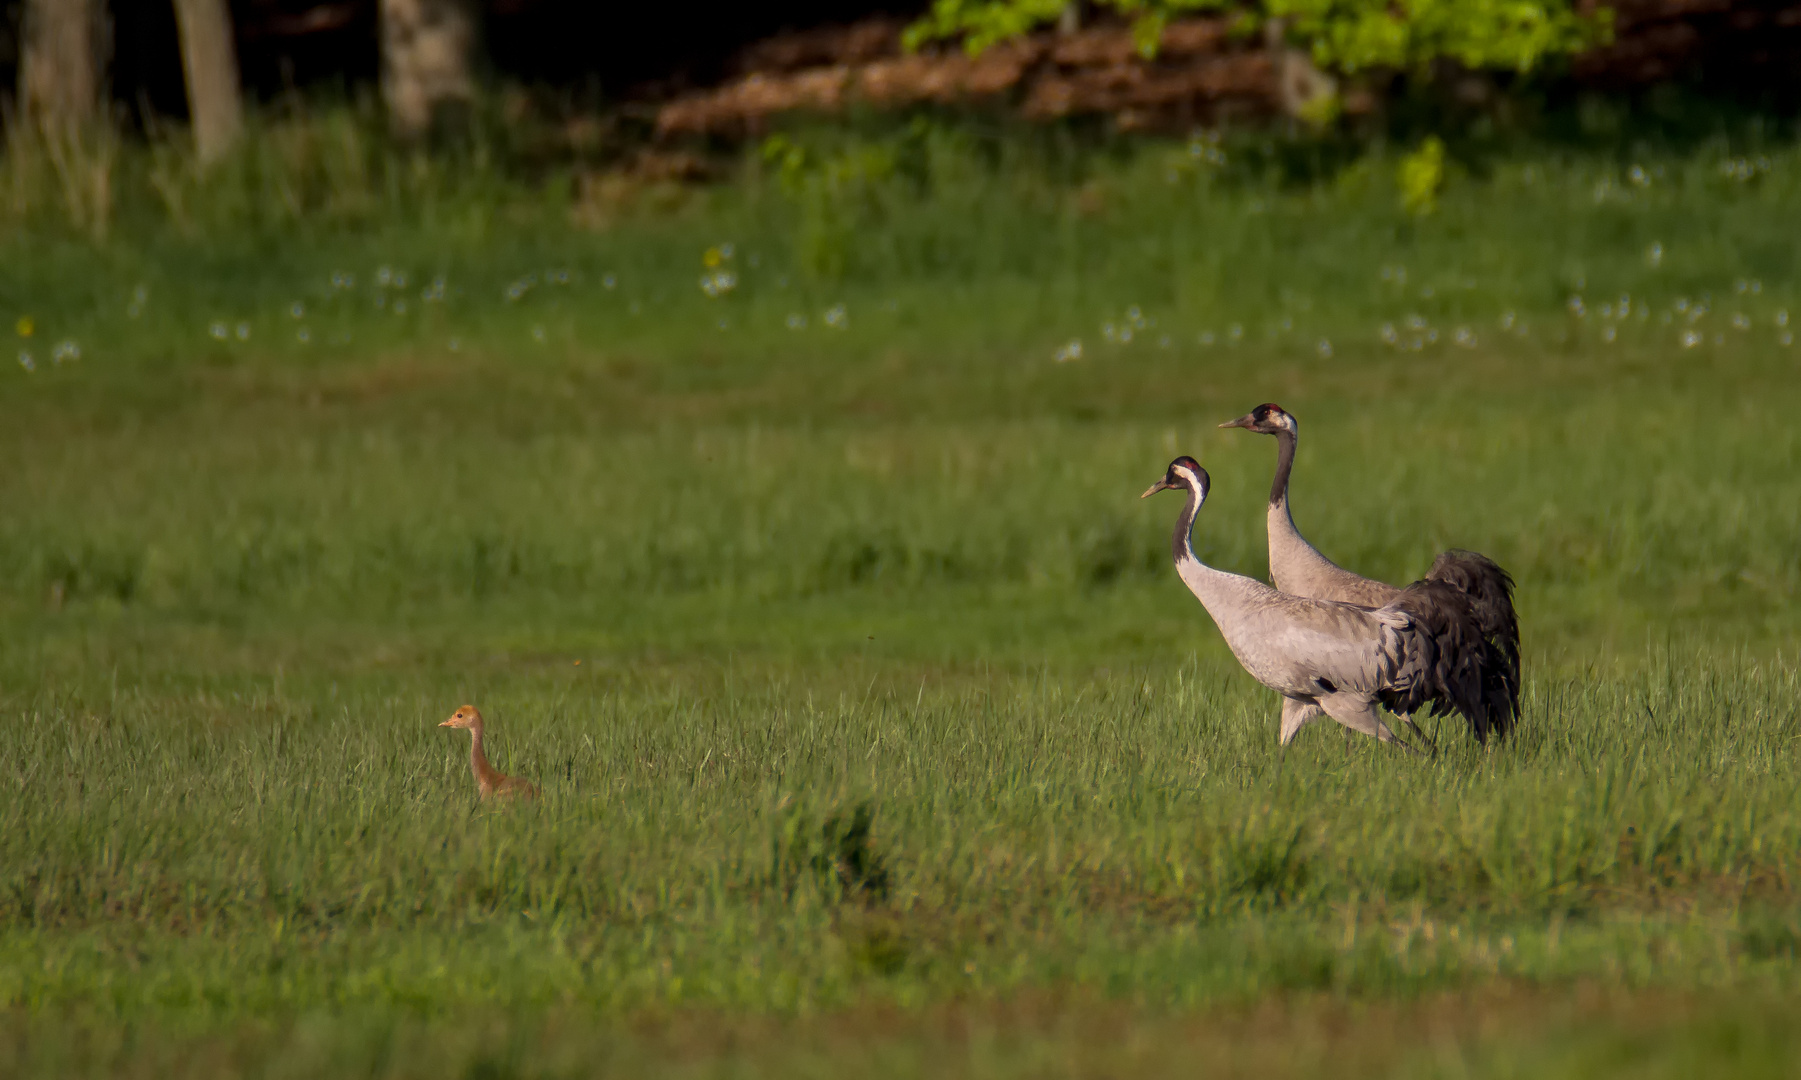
(839, 541)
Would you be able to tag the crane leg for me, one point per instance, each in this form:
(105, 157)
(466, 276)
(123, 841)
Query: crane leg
(1296, 714)
(1431, 743)
(1359, 714)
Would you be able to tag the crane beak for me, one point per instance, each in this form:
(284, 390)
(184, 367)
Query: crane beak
(449, 723)
(1244, 421)
(1161, 485)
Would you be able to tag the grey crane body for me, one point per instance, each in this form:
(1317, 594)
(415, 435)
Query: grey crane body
(1484, 686)
(1292, 645)
(1321, 656)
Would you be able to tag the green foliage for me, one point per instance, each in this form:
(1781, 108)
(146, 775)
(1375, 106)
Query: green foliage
(837, 855)
(1421, 176)
(980, 24)
(1346, 35)
(327, 164)
(837, 193)
(61, 172)
(1499, 35)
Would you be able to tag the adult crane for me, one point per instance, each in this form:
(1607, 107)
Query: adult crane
(1297, 567)
(1325, 657)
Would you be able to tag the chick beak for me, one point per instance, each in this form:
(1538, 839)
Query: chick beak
(1244, 421)
(1161, 485)
(449, 723)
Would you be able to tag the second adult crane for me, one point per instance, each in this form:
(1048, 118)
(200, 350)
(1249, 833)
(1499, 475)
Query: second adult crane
(1297, 567)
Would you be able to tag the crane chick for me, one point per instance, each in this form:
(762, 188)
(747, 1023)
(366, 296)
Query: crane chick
(489, 781)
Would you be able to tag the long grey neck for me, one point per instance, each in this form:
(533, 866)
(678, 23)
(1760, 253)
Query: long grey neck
(1278, 488)
(1181, 545)
(1224, 595)
(1295, 565)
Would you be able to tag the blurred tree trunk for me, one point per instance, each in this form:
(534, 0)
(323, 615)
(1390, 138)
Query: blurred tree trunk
(61, 61)
(209, 60)
(426, 48)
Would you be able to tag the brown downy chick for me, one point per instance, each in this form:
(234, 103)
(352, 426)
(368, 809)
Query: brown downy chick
(491, 782)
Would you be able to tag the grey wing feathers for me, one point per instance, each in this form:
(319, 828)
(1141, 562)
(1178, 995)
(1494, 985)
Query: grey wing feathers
(1350, 588)
(1291, 643)
(1354, 648)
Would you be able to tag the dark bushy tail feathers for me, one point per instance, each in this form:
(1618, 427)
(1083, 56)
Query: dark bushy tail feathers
(1468, 658)
(1490, 589)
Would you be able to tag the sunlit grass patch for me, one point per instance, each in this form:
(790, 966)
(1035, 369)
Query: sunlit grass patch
(822, 607)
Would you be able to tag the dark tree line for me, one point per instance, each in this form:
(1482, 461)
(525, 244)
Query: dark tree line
(200, 58)
(67, 63)
(426, 50)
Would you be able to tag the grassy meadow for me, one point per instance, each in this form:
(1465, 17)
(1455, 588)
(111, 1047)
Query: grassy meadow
(787, 533)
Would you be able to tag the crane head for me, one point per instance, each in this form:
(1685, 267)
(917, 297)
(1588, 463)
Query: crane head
(465, 717)
(1183, 472)
(1266, 419)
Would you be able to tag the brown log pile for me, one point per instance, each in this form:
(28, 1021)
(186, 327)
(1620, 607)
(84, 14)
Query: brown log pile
(1202, 74)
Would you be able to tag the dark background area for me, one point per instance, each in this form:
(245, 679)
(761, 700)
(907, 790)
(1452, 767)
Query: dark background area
(605, 50)
(596, 53)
